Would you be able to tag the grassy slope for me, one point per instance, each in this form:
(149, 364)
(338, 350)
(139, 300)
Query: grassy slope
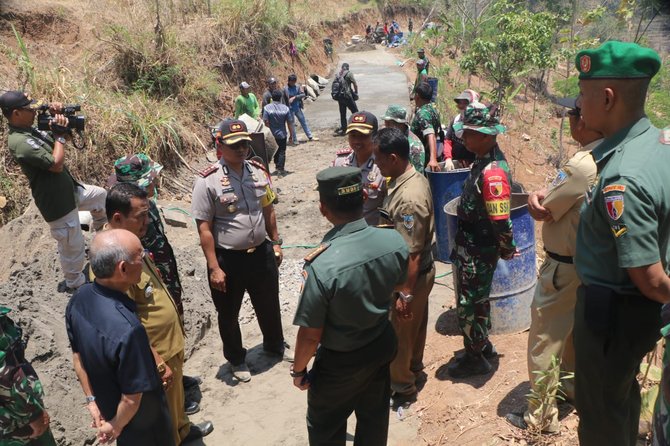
(150, 92)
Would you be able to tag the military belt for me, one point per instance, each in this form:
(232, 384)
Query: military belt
(559, 258)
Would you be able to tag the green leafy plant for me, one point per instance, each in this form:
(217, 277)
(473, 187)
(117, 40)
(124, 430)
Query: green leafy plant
(547, 389)
(303, 42)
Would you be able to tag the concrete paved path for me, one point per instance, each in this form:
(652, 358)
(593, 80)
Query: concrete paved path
(380, 83)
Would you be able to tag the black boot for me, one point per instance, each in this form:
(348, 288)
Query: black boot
(470, 364)
(489, 351)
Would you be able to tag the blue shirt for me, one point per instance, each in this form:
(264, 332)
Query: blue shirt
(297, 102)
(114, 349)
(277, 115)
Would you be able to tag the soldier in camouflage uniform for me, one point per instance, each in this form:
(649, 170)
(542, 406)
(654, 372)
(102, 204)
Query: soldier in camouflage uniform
(427, 125)
(484, 235)
(141, 170)
(23, 417)
(396, 117)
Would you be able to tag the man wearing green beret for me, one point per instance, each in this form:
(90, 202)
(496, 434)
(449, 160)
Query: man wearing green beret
(343, 310)
(623, 250)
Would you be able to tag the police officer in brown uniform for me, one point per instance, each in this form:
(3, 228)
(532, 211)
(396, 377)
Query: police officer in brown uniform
(408, 208)
(232, 204)
(361, 129)
(553, 307)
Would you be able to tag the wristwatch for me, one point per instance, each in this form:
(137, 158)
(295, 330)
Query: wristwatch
(89, 399)
(61, 139)
(161, 368)
(407, 298)
(277, 242)
(295, 374)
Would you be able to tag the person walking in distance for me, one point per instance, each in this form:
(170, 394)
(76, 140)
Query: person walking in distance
(346, 95)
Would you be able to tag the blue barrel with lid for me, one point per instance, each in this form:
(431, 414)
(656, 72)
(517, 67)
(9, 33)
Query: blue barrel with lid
(514, 280)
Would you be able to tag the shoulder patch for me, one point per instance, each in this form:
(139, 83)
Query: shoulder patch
(614, 188)
(619, 230)
(34, 143)
(344, 152)
(561, 177)
(317, 252)
(614, 206)
(408, 221)
(258, 164)
(207, 171)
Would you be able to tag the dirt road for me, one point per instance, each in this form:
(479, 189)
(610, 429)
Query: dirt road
(269, 410)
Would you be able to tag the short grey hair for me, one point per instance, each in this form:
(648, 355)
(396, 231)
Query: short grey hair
(105, 256)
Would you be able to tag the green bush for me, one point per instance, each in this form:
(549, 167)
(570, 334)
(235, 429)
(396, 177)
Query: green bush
(567, 87)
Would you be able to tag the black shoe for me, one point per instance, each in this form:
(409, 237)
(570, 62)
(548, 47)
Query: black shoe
(489, 351)
(191, 381)
(191, 407)
(339, 132)
(469, 364)
(516, 420)
(198, 431)
(403, 400)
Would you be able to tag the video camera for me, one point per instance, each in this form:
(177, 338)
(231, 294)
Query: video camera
(75, 122)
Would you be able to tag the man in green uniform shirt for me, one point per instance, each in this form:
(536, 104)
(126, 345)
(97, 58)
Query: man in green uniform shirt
(427, 126)
(58, 196)
(343, 310)
(623, 254)
(408, 208)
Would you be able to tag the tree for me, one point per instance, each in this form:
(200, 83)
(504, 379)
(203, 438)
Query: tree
(519, 42)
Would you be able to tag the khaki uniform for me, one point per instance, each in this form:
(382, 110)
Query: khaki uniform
(553, 307)
(374, 183)
(409, 208)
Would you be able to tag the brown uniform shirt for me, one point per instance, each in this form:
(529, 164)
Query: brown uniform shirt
(564, 199)
(409, 208)
(158, 312)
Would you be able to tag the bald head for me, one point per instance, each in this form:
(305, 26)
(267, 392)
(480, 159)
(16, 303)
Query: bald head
(110, 248)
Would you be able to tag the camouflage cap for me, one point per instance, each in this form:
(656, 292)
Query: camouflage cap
(138, 169)
(481, 119)
(396, 113)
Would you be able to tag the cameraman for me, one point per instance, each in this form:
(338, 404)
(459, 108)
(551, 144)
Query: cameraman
(58, 196)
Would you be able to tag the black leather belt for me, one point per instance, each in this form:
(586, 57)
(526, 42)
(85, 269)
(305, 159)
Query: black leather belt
(560, 258)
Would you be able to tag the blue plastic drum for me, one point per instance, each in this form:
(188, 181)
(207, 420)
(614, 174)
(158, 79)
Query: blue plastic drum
(514, 280)
(445, 186)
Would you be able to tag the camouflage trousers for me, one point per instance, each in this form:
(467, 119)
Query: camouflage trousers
(472, 283)
(47, 439)
(661, 423)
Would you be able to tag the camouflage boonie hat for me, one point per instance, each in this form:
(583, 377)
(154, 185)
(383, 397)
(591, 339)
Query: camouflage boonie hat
(480, 119)
(395, 113)
(138, 169)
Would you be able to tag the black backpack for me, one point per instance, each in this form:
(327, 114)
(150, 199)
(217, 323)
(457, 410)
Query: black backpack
(338, 90)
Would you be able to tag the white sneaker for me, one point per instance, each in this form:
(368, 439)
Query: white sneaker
(242, 373)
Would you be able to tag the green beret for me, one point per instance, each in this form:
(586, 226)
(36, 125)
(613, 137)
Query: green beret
(335, 182)
(618, 60)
